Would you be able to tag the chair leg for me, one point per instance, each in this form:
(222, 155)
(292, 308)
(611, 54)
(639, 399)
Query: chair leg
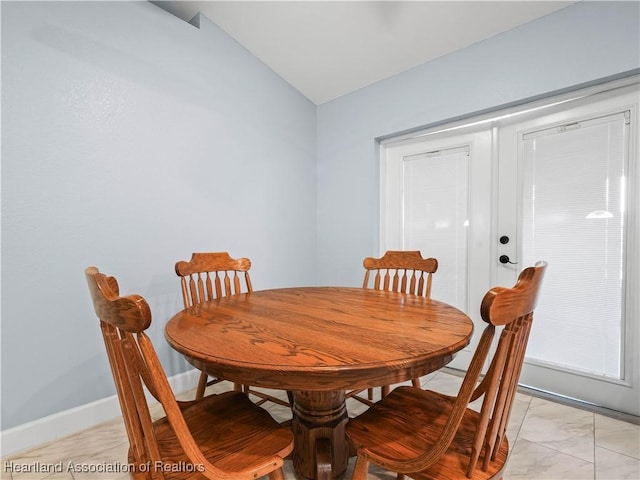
(400, 476)
(384, 391)
(202, 384)
(276, 474)
(360, 469)
(416, 382)
(370, 393)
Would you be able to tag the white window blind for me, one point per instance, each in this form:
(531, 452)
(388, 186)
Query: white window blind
(435, 216)
(573, 212)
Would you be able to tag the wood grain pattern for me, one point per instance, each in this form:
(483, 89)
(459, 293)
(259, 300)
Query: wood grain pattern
(206, 277)
(428, 435)
(211, 275)
(319, 342)
(403, 442)
(219, 437)
(397, 271)
(319, 338)
(401, 271)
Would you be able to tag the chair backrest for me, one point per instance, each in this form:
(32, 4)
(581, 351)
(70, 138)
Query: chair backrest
(513, 309)
(401, 271)
(208, 276)
(134, 364)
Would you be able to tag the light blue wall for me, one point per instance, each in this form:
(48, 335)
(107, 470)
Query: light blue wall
(583, 43)
(131, 139)
(128, 143)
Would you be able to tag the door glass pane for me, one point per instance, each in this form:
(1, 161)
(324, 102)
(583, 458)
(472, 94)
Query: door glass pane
(573, 217)
(435, 217)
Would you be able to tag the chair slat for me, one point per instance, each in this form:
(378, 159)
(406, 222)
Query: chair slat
(209, 287)
(493, 379)
(366, 279)
(247, 281)
(227, 284)
(412, 284)
(201, 287)
(184, 284)
(193, 292)
(420, 291)
(236, 283)
(403, 283)
(125, 398)
(127, 345)
(218, 286)
(428, 288)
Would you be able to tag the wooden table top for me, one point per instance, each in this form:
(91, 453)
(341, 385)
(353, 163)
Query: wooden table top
(319, 338)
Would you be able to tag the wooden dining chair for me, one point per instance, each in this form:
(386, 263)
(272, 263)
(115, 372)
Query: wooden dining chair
(218, 437)
(397, 271)
(212, 275)
(426, 434)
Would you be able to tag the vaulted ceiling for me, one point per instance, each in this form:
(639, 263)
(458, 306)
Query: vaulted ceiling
(326, 49)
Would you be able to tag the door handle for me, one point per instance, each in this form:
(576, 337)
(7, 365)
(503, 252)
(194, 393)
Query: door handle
(505, 259)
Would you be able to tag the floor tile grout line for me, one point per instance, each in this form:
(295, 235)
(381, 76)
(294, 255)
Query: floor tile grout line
(631, 457)
(547, 447)
(593, 434)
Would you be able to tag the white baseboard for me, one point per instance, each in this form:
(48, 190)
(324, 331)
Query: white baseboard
(61, 424)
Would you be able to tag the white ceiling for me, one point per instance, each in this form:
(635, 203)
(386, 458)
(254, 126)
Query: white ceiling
(326, 49)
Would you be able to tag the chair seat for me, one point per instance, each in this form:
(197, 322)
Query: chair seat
(231, 431)
(410, 418)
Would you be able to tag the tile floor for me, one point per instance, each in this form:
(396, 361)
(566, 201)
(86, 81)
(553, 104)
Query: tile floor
(550, 441)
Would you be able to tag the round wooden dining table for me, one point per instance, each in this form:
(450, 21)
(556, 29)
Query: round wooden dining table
(318, 342)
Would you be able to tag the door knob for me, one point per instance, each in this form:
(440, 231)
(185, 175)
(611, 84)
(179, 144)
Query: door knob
(505, 259)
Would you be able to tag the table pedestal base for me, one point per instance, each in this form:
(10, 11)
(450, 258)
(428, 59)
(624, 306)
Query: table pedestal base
(319, 419)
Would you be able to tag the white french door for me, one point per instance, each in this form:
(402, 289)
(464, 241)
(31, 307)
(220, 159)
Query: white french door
(557, 184)
(571, 199)
(436, 199)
